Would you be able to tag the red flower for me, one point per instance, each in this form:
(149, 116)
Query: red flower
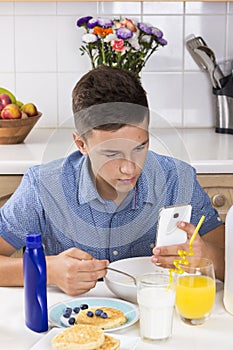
(118, 45)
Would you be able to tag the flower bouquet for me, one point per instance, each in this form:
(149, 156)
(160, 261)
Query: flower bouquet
(119, 43)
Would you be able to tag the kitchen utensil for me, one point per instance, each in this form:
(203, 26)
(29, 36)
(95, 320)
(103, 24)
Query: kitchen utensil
(123, 273)
(209, 52)
(192, 44)
(217, 73)
(207, 63)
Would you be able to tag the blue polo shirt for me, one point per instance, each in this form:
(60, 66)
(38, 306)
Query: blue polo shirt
(60, 200)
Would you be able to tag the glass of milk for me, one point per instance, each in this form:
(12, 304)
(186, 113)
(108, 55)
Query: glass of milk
(156, 300)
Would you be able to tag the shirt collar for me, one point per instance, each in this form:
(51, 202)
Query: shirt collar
(142, 193)
(87, 191)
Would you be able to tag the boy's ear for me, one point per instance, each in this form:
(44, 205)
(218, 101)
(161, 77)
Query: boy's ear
(80, 143)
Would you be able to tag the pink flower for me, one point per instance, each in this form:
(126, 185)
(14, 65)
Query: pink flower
(128, 23)
(118, 24)
(118, 45)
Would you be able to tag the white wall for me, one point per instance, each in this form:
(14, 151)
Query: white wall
(40, 59)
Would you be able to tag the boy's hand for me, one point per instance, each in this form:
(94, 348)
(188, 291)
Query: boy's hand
(75, 271)
(164, 256)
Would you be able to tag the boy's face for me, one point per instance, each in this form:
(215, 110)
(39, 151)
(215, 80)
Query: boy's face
(117, 157)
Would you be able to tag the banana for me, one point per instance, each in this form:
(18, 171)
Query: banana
(19, 103)
(7, 92)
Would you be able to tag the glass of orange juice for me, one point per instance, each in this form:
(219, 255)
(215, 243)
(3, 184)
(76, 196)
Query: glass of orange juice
(195, 291)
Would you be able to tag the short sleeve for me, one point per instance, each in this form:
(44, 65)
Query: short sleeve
(22, 213)
(201, 205)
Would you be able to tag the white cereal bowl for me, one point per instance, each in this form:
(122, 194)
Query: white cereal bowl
(124, 287)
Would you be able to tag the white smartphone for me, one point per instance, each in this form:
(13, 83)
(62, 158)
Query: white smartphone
(167, 231)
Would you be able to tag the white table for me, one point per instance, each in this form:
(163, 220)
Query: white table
(216, 333)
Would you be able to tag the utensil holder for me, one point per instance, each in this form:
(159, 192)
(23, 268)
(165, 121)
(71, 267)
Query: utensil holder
(224, 114)
(224, 106)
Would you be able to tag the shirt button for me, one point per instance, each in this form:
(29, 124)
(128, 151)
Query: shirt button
(152, 245)
(115, 252)
(218, 218)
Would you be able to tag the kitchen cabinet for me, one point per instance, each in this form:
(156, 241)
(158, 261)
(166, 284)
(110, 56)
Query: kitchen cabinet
(219, 188)
(8, 184)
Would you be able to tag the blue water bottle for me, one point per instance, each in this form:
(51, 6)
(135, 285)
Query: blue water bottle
(35, 289)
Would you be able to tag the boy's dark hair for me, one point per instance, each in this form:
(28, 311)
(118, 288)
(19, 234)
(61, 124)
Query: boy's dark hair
(107, 98)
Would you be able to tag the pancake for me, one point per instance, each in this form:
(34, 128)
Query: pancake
(110, 343)
(79, 337)
(114, 318)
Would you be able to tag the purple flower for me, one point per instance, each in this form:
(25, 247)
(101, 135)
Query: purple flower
(162, 41)
(104, 22)
(156, 32)
(83, 20)
(144, 28)
(92, 22)
(124, 33)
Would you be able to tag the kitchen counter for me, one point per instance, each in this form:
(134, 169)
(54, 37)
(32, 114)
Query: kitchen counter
(204, 149)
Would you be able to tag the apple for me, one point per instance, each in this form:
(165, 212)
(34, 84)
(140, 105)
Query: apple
(30, 109)
(4, 101)
(11, 111)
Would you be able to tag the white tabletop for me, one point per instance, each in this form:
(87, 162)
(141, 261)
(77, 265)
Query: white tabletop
(204, 149)
(216, 333)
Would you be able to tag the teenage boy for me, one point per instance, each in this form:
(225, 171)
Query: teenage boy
(101, 203)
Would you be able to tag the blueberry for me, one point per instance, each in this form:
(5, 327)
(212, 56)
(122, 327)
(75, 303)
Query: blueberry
(76, 309)
(66, 314)
(90, 314)
(104, 315)
(98, 312)
(84, 306)
(71, 321)
(68, 310)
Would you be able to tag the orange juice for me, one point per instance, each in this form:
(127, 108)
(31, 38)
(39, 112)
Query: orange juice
(195, 296)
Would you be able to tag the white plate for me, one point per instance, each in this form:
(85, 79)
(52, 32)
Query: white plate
(130, 310)
(127, 343)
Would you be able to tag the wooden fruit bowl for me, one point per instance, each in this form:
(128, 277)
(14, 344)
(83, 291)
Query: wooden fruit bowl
(15, 130)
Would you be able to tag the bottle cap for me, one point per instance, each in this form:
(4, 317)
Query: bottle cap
(33, 240)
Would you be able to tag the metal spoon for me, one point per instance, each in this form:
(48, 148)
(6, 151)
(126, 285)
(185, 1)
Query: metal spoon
(208, 63)
(217, 73)
(123, 273)
(209, 52)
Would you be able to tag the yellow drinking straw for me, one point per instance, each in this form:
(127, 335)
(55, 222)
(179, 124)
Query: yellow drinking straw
(195, 234)
(183, 253)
